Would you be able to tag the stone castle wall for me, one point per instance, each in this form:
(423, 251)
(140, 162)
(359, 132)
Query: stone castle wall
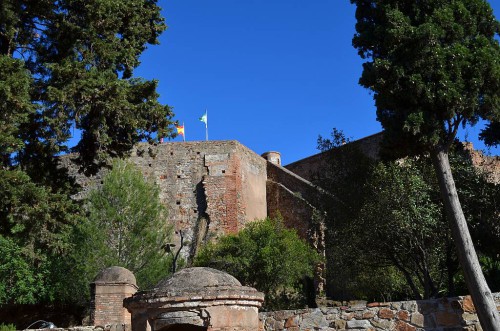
(490, 165)
(452, 314)
(295, 198)
(209, 187)
(311, 168)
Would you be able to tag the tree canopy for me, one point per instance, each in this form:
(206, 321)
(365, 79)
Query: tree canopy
(65, 66)
(434, 66)
(267, 256)
(69, 64)
(399, 201)
(126, 226)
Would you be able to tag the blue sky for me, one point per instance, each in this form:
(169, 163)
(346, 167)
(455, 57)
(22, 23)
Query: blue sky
(273, 74)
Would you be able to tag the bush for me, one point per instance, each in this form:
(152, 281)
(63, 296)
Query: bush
(7, 327)
(267, 256)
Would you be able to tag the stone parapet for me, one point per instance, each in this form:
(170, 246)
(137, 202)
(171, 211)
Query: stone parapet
(457, 313)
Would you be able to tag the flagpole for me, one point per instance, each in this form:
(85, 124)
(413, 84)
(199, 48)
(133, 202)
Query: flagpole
(184, 135)
(206, 125)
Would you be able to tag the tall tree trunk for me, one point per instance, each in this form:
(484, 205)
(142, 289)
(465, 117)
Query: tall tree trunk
(479, 290)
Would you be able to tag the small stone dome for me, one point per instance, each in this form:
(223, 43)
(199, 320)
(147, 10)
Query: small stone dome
(196, 299)
(116, 275)
(195, 279)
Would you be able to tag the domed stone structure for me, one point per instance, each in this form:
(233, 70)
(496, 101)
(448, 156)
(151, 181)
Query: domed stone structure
(116, 275)
(108, 290)
(196, 299)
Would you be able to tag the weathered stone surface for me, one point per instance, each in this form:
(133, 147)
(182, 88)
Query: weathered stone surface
(403, 315)
(315, 319)
(382, 324)
(427, 307)
(357, 304)
(347, 316)
(386, 313)
(403, 326)
(291, 321)
(468, 305)
(411, 306)
(417, 319)
(367, 315)
(358, 324)
(444, 318)
(339, 324)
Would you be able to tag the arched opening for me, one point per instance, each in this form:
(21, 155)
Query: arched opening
(183, 327)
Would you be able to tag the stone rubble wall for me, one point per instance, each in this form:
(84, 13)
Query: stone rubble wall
(446, 314)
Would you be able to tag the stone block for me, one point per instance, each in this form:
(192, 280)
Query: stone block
(356, 304)
(367, 314)
(383, 324)
(315, 319)
(358, 324)
(444, 318)
(403, 326)
(468, 305)
(339, 324)
(411, 306)
(417, 319)
(291, 321)
(470, 318)
(386, 313)
(347, 316)
(403, 315)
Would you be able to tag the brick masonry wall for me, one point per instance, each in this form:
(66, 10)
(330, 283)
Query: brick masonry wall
(209, 187)
(450, 314)
(107, 303)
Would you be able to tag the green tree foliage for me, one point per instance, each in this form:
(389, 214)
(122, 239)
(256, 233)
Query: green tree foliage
(127, 226)
(35, 228)
(399, 201)
(65, 65)
(80, 56)
(401, 211)
(435, 66)
(267, 256)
